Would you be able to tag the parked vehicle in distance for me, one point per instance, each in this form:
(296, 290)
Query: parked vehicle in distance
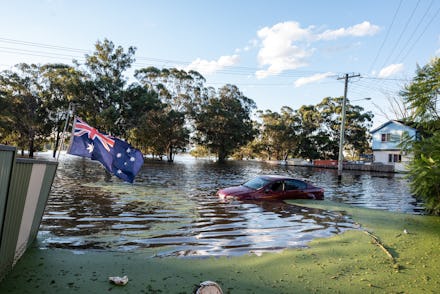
(272, 187)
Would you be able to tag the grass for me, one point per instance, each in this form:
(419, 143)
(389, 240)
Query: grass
(351, 262)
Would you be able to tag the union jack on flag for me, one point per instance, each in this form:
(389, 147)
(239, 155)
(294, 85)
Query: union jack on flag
(117, 156)
(82, 128)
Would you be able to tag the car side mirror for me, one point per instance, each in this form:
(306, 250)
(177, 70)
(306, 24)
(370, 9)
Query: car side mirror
(267, 190)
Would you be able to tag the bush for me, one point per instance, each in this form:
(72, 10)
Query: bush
(424, 172)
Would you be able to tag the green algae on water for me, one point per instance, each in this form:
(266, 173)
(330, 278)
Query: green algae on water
(347, 263)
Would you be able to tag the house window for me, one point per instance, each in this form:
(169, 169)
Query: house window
(394, 158)
(396, 138)
(386, 137)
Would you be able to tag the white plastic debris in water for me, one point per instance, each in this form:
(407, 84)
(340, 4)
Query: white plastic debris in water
(119, 280)
(209, 287)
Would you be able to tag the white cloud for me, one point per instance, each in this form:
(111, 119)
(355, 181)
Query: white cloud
(251, 45)
(359, 30)
(390, 70)
(287, 46)
(278, 50)
(206, 67)
(312, 79)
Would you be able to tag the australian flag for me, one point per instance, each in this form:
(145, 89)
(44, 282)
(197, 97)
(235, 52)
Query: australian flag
(117, 156)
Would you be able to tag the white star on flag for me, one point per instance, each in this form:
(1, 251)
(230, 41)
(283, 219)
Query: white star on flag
(90, 148)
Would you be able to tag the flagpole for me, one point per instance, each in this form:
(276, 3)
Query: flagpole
(70, 108)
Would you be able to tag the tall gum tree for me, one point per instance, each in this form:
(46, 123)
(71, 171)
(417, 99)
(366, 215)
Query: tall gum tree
(180, 93)
(224, 122)
(278, 133)
(104, 101)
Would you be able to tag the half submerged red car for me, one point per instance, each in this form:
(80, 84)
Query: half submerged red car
(272, 187)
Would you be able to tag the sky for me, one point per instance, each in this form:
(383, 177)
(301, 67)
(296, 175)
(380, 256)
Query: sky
(279, 53)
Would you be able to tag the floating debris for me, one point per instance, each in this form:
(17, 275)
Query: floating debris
(209, 287)
(380, 244)
(121, 281)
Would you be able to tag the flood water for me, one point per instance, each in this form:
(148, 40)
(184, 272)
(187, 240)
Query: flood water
(173, 209)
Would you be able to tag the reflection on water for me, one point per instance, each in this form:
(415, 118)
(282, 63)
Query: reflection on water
(173, 208)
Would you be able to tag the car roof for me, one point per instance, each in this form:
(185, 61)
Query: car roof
(277, 177)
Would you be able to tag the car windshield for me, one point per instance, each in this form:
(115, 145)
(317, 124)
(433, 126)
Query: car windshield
(256, 183)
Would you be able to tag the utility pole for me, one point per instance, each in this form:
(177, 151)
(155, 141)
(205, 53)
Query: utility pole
(342, 134)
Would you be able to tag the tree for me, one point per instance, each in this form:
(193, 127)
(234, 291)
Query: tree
(356, 128)
(422, 95)
(5, 118)
(163, 132)
(104, 100)
(424, 172)
(26, 108)
(278, 133)
(200, 151)
(61, 85)
(307, 119)
(139, 103)
(248, 151)
(270, 134)
(357, 137)
(180, 92)
(178, 88)
(313, 131)
(224, 123)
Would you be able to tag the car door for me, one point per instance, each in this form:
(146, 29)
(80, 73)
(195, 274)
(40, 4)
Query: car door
(295, 189)
(274, 190)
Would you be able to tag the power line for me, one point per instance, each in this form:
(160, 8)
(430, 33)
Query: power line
(34, 52)
(423, 32)
(384, 79)
(401, 34)
(405, 46)
(41, 45)
(53, 51)
(140, 60)
(386, 36)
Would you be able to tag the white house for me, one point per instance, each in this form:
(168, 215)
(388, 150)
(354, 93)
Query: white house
(386, 143)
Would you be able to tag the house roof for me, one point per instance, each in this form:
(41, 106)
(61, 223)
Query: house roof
(399, 122)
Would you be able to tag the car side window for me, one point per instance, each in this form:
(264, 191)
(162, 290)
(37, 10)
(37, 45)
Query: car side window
(295, 185)
(277, 186)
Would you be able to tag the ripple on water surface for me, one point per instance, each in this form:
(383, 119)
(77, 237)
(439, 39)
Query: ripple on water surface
(173, 208)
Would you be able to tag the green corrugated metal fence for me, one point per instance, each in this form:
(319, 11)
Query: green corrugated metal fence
(7, 158)
(27, 193)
